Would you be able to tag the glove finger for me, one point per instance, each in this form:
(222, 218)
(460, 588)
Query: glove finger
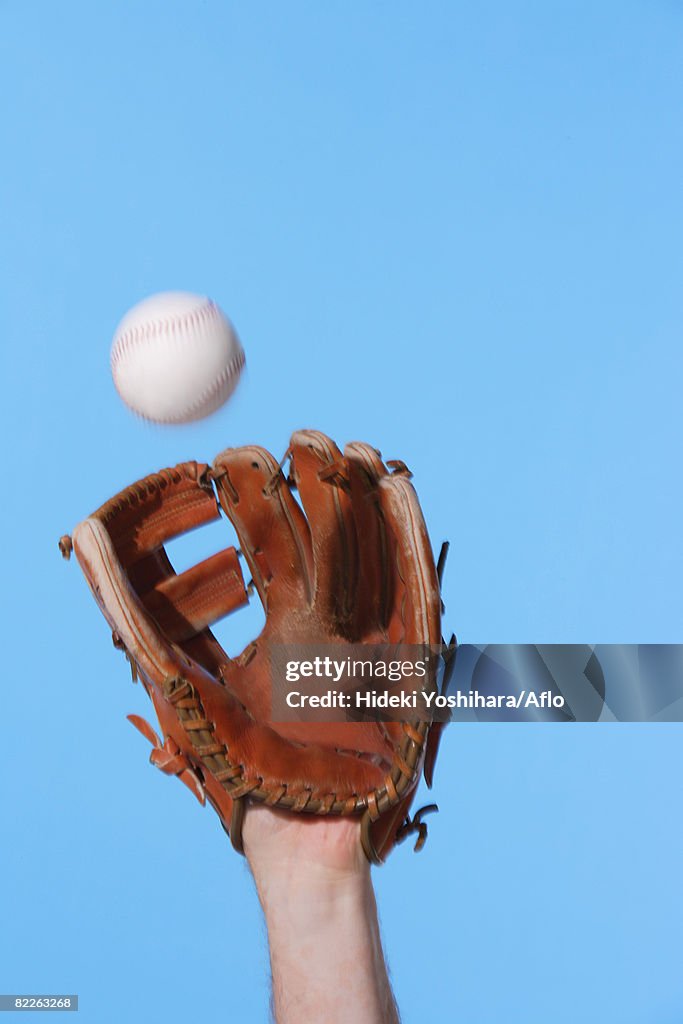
(319, 473)
(365, 469)
(157, 508)
(415, 615)
(271, 527)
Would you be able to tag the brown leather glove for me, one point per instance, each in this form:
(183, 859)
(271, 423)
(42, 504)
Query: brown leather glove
(355, 566)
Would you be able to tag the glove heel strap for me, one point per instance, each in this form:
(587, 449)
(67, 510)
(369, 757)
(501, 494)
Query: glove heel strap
(236, 823)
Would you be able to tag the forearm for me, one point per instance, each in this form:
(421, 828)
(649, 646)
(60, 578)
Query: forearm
(325, 950)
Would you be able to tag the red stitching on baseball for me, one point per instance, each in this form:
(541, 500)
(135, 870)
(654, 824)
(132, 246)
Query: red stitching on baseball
(131, 338)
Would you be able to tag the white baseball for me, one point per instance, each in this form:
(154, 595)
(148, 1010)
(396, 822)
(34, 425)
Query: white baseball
(175, 358)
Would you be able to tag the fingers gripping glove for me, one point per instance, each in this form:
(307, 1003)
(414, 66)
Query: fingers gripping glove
(351, 563)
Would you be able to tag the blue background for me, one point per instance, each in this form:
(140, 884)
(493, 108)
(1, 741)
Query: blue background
(450, 229)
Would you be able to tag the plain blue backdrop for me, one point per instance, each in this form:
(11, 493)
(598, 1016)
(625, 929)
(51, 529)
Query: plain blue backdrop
(451, 229)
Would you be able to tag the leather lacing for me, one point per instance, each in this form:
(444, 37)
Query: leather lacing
(216, 760)
(415, 824)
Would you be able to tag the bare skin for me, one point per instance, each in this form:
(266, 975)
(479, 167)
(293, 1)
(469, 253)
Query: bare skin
(313, 883)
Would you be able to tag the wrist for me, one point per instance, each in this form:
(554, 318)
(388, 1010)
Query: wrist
(295, 851)
(296, 883)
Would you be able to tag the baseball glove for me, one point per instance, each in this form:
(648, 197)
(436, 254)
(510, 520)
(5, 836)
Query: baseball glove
(350, 563)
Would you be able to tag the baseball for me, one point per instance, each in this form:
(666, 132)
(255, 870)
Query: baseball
(175, 358)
